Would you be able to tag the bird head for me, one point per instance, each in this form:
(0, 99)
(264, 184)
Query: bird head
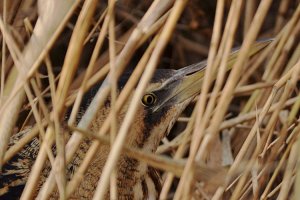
(166, 96)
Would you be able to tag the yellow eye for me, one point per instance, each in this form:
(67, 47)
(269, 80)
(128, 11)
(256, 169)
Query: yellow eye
(149, 99)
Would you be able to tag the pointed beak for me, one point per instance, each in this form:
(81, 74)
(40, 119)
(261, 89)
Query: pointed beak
(187, 82)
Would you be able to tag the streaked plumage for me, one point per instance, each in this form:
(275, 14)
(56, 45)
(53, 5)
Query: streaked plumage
(165, 98)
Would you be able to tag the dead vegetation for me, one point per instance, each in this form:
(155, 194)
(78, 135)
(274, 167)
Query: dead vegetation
(238, 139)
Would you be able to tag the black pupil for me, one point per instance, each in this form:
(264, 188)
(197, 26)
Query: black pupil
(149, 99)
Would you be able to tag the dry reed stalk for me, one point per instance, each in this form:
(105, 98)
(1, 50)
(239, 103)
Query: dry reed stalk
(88, 72)
(68, 71)
(248, 16)
(104, 59)
(3, 52)
(21, 143)
(105, 127)
(201, 117)
(284, 96)
(60, 96)
(283, 8)
(237, 69)
(276, 171)
(288, 175)
(153, 61)
(16, 56)
(113, 82)
(207, 79)
(137, 35)
(230, 123)
(175, 166)
(181, 150)
(36, 49)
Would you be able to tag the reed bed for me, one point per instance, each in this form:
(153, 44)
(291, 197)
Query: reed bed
(237, 140)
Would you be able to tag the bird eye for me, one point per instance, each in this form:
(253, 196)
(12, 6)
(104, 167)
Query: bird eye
(149, 99)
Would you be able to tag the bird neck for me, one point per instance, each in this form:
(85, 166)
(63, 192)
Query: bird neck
(134, 178)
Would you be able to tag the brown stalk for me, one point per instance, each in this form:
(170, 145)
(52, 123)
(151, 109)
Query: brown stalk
(31, 53)
(116, 150)
(287, 91)
(203, 114)
(124, 57)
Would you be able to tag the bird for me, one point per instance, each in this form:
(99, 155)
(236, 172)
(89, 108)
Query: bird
(166, 96)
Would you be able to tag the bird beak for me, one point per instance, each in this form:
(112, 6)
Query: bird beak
(187, 81)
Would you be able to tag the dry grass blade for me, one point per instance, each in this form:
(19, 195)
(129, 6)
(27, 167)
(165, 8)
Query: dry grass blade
(116, 150)
(99, 98)
(33, 50)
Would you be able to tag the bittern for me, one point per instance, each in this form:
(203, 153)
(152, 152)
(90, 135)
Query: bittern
(166, 96)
